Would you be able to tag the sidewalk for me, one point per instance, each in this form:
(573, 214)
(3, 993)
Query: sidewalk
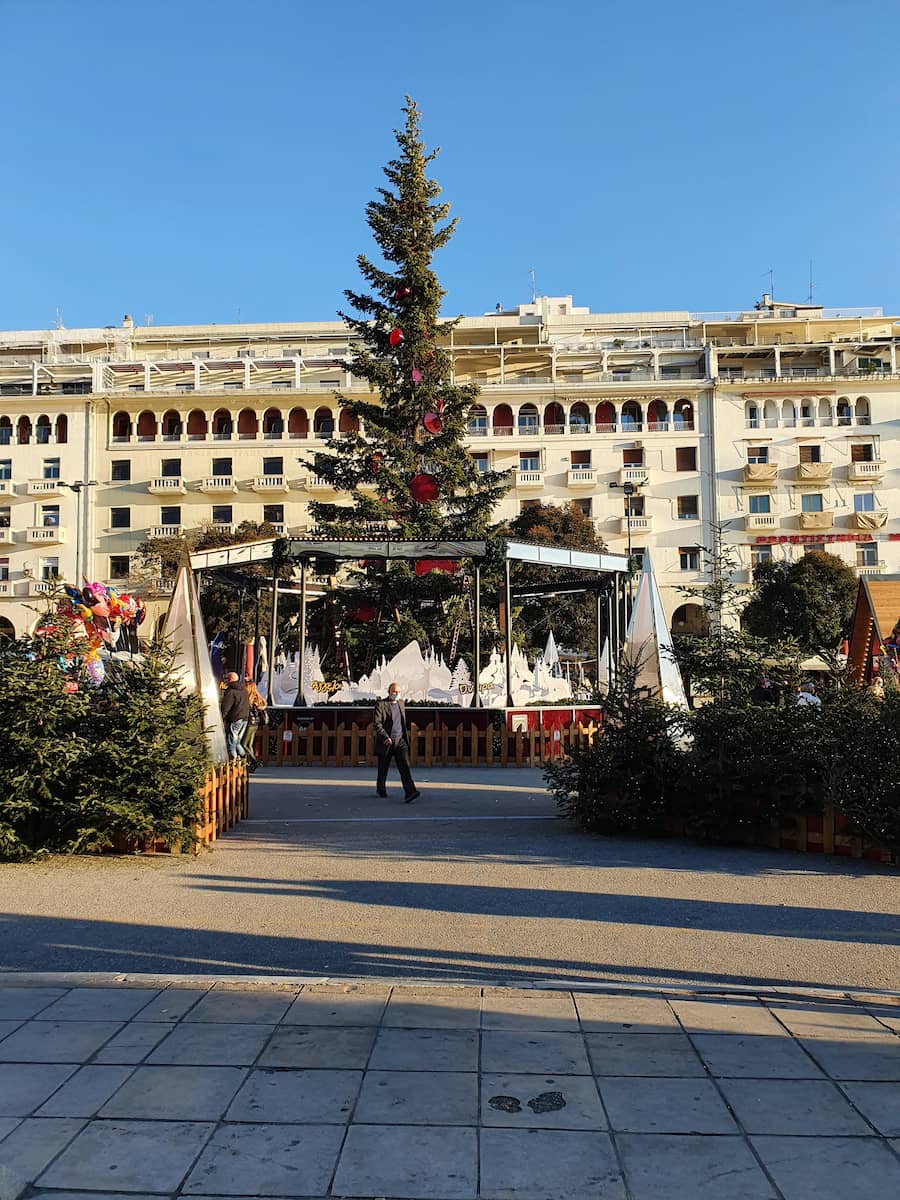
(139, 1086)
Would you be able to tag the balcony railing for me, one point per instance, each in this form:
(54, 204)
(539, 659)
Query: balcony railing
(633, 475)
(639, 524)
(760, 472)
(315, 483)
(45, 534)
(270, 483)
(166, 531)
(44, 487)
(7, 487)
(864, 472)
(813, 472)
(218, 483)
(873, 518)
(166, 484)
(815, 520)
(6, 536)
(529, 479)
(580, 477)
(6, 587)
(762, 520)
(877, 568)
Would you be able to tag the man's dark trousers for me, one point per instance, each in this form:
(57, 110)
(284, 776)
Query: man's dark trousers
(399, 751)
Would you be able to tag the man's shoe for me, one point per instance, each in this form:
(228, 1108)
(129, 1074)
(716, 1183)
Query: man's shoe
(412, 796)
(382, 795)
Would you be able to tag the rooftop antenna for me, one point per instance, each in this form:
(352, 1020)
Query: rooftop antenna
(59, 323)
(148, 318)
(809, 298)
(533, 292)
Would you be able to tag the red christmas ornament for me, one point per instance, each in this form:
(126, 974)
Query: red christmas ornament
(395, 337)
(402, 293)
(376, 461)
(423, 488)
(439, 405)
(433, 423)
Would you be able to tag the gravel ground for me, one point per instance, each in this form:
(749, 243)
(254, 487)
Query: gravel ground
(475, 882)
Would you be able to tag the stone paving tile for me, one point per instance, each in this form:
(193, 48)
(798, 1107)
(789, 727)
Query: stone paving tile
(242, 1007)
(56, 1041)
(136, 1156)
(318, 1046)
(23, 1002)
(650, 1054)
(856, 1056)
(34, 1143)
(830, 1168)
(755, 1056)
(86, 1092)
(354, 1008)
(620, 1014)
(433, 1009)
(548, 1164)
(314, 1097)
(133, 1044)
(515, 1009)
(176, 1093)
(99, 1004)
(25, 1086)
(541, 1102)
(267, 1160)
(411, 1162)
(171, 1004)
(425, 1050)
(683, 1167)
(7, 1027)
(206, 1044)
(879, 1103)
(534, 1053)
(665, 1106)
(832, 1022)
(418, 1098)
(726, 1016)
(55, 1195)
(793, 1106)
(7, 1125)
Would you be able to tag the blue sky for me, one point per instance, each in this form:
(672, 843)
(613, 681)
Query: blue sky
(210, 160)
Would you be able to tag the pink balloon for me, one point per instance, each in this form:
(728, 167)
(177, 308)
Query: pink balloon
(101, 609)
(416, 375)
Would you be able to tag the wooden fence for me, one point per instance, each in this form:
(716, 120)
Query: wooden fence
(465, 746)
(223, 802)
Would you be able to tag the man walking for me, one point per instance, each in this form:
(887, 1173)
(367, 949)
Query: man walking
(235, 713)
(391, 740)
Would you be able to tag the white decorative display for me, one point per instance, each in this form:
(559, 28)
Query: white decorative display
(648, 643)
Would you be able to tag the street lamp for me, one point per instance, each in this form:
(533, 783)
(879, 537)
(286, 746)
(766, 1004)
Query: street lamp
(77, 487)
(631, 488)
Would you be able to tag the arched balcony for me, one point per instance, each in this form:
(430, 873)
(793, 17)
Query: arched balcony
(503, 421)
(347, 422)
(690, 620)
(121, 427)
(770, 415)
(478, 421)
(683, 416)
(752, 418)
(146, 427)
(605, 417)
(23, 431)
(631, 419)
(298, 423)
(863, 412)
(554, 418)
(42, 430)
(223, 426)
(5, 431)
(579, 418)
(273, 423)
(323, 423)
(62, 429)
(528, 419)
(844, 411)
(196, 425)
(658, 416)
(247, 425)
(824, 411)
(171, 426)
(789, 414)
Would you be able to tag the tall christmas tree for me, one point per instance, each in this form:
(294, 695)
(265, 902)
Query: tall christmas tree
(403, 469)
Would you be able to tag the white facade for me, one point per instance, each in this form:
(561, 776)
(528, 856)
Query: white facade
(781, 420)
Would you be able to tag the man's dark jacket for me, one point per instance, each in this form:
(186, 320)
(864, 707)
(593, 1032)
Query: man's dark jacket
(235, 703)
(383, 722)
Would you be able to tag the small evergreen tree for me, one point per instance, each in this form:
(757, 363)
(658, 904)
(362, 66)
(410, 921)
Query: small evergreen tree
(414, 422)
(810, 600)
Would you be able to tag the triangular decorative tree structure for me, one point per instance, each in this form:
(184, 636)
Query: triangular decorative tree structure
(648, 643)
(551, 654)
(184, 633)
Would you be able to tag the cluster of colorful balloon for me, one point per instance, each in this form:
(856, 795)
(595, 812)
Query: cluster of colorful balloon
(99, 614)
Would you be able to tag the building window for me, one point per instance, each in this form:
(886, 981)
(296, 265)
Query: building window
(632, 458)
(221, 514)
(757, 454)
(812, 503)
(49, 515)
(685, 458)
(5, 468)
(866, 554)
(815, 548)
(688, 508)
(637, 553)
(121, 470)
(51, 468)
(4, 570)
(581, 458)
(862, 452)
(482, 463)
(689, 558)
(583, 506)
(233, 386)
(634, 505)
(760, 555)
(5, 516)
(171, 468)
(273, 514)
(221, 466)
(759, 504)
(119, 566)
(810, 454)
(49, 569)
(120, 518)
(864, 502)
(273, 466)
(170, 514)
(529, 462)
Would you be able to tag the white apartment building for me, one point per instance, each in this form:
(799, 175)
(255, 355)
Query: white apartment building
(782, 420)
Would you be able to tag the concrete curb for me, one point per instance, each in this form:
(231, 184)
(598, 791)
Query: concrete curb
(110, 979)
(11, 1185)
